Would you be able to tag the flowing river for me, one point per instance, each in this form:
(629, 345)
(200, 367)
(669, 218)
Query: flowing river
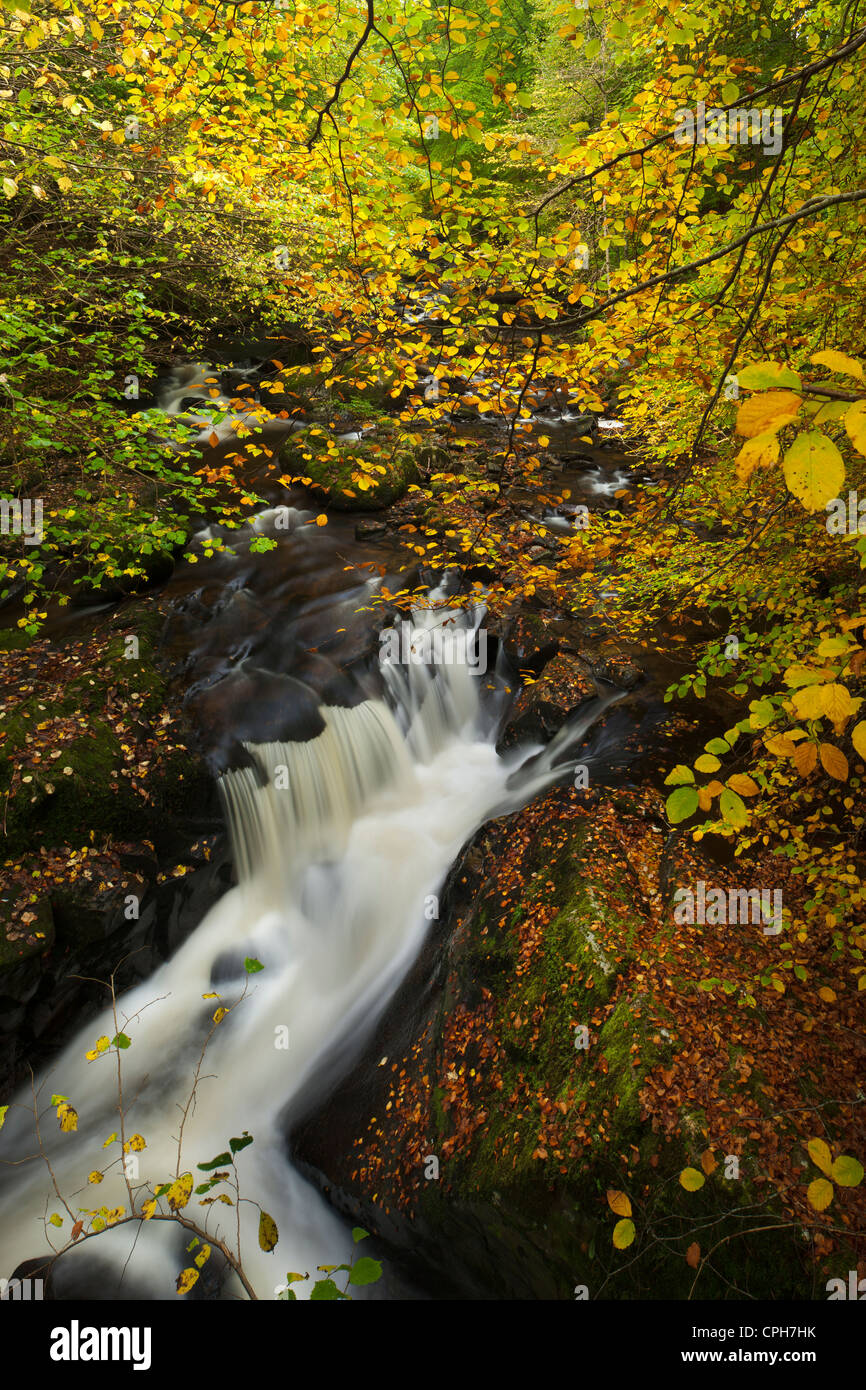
(342, 838)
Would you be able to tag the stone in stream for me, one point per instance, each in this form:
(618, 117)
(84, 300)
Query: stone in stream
(370, 530)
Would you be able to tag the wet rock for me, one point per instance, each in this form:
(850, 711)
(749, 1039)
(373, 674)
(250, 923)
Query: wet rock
(370, 530)
(542, 706)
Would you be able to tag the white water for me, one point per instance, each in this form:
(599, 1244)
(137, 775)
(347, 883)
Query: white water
(336, 866)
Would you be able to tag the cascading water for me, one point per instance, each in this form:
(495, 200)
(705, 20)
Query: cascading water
(341, 843)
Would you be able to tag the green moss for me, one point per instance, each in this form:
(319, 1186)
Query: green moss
(547, 1230)
(41, 932)
(364, 476)
(58, 807)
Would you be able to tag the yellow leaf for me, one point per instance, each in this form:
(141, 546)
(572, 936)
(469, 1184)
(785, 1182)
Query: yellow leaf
(186, 1279)
(268, 1233)
(767, 412)
(834, 762)
(68, 1117)
(220, 1015)
(623, 1234)
(827, 994)
(836, 701)
(148, 1209)
(203, 1256)
(95, 1176)
(180, 1191)
(838, 362)
(781, 746)
(742, 783)
(707, 763)
(321, 519)
(814, 469)
(760, 452)
(820, 1154)
(858, 738)
(807, 702)
(618, 1202)
(820, 1194)
(855, 424)
(134, 1144)
(709, 1163)
(691, 1179)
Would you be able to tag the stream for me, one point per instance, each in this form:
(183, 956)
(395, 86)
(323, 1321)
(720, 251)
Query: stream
(350, 784)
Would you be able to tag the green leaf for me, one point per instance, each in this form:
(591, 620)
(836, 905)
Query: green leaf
(768, 375)
(680, 776)
(623, 1234)
(358, 1233)
(733, 808)
(365, 1271)
(237, 1144)
(718, 746)
(214, 1163)
(681, 804)
(252, 966)
(847, 1171)
(121, 1041)
(325, 1288)
(692, 1179)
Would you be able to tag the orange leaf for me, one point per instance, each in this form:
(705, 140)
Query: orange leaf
(834, 762)
(618, 1202)
(805, 758)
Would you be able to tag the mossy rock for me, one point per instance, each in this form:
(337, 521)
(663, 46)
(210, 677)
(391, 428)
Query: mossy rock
(27, 939)
(363, 477)
(57, 807)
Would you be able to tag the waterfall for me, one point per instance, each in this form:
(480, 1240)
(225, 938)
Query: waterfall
(341, 843)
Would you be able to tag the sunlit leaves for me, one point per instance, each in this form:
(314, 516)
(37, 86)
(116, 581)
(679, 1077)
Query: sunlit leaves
(764, 375)
(768, 412)
(762, 451)
(855, 426)
(838, 362)
(180, 1191)
(814, 469)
